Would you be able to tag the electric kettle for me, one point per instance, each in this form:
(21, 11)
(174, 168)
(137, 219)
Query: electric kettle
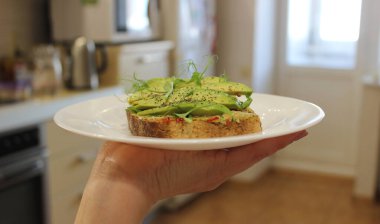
(82, 70)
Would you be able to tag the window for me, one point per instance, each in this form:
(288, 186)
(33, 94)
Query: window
(323, 33)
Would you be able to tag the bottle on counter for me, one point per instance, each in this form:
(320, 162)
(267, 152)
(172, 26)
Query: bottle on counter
(15, 78)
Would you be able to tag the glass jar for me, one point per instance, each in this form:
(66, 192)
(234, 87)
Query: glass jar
(47, 77)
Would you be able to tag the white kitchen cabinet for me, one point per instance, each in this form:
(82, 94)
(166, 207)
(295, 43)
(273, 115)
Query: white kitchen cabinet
(71, 157)
(146, 60)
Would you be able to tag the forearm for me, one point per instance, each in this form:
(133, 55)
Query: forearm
(111, 197)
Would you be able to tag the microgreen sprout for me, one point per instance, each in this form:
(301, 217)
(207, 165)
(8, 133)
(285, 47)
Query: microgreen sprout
(138, 84)
(246, 103)
(169, 87)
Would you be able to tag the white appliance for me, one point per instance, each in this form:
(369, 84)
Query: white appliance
(106, 20)
(191, 26)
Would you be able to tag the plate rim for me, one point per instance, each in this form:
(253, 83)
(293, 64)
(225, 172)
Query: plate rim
(150, 141)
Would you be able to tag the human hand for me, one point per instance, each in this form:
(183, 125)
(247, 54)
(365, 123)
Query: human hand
(154, 174)
(165, 173)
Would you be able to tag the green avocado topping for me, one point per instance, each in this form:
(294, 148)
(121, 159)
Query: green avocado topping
(186, 98)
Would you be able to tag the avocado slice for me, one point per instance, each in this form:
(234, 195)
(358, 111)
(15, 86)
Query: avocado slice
(213, 79)
(202, 108)
(146, 103)
(189, 94)
(146, 99)
(141, 95)
(168, 110)
(232, 88)
(214, 96)
(210, 110)
(195, 109)
(179, 95)
(198, 96)
(158, 84)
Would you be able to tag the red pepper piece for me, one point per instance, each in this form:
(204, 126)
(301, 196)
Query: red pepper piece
(212, 119)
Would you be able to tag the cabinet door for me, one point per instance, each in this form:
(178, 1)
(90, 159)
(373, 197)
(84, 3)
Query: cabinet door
(70, 169)
(64, 206)
(71, 158)
(145, 65)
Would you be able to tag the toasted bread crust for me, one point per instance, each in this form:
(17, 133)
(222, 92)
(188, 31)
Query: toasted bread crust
(200, 127)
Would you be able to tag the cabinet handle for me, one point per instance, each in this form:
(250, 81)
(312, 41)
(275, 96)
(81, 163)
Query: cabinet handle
(87, 157)
(147, 59)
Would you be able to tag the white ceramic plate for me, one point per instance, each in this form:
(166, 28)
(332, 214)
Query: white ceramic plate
(105, 118)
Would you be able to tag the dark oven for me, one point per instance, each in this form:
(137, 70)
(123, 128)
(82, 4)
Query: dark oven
(23, 197)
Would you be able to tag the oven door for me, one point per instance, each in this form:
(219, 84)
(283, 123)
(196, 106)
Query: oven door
(22, 197)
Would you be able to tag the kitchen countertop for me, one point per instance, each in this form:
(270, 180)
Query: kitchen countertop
(41, 109)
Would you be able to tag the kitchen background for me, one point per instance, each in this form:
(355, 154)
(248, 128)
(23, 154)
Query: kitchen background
(326, 52)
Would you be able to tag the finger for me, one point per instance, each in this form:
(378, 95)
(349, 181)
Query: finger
(269, 146)
(241, 158)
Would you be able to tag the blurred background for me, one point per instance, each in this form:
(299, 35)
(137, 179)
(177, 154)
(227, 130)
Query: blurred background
(54, 53)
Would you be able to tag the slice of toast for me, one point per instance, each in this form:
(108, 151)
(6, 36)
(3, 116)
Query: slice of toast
(244, 122)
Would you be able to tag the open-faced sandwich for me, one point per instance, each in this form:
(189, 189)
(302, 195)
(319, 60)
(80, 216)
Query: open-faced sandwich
(197, 107)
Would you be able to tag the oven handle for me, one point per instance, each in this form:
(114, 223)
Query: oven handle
(14, 175)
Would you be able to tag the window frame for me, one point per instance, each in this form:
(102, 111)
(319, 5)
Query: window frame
(313, 51)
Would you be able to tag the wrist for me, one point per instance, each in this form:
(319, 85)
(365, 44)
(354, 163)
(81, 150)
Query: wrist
(107, 201)
(113, 194)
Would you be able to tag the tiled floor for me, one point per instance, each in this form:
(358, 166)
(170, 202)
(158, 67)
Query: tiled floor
(279, 197)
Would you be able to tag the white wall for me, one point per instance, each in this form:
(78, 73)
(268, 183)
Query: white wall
(368, 147)
(22, 23)
(331, 145)
(246, 42)
(246, 50)
(264, 47)
(235, 27)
